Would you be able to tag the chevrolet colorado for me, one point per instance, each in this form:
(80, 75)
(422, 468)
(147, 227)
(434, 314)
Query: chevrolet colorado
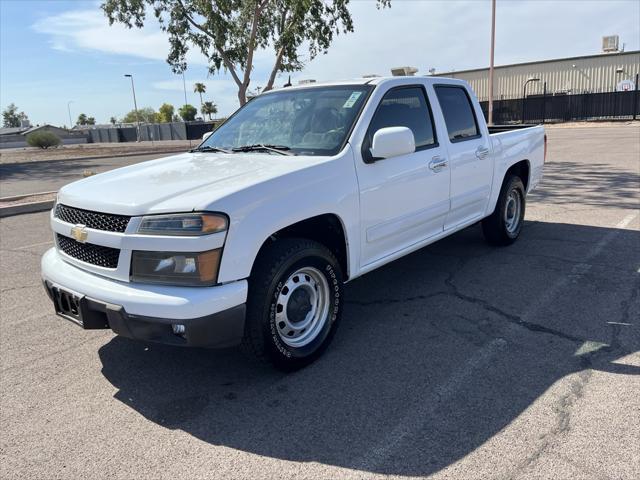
(248, 239)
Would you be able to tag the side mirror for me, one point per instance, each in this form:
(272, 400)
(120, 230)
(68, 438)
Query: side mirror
(206, 135)
(392, 142)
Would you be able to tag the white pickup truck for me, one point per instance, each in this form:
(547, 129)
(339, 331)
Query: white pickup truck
(248, 239)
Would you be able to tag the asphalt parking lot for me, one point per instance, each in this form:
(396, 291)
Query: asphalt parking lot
(458, 361)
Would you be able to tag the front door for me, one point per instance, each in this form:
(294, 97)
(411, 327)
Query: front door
(403, 199)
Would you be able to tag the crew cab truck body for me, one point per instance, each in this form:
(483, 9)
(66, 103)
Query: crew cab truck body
(249, 238)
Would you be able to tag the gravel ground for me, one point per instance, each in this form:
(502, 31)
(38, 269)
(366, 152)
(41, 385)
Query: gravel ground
(64, 152)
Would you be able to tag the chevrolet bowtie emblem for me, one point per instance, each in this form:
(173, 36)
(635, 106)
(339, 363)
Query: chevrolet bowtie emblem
(79, 232)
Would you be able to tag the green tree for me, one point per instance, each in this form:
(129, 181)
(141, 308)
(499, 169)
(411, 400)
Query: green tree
(84, 120)
(43, 140)
(145, 115)
(200, 88)
(165, 113)
(188, 112)
(11, 118)
(113, 120)
(228, 32)
(209, 108)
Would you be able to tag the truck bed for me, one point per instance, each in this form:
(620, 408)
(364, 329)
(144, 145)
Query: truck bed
(506, 128)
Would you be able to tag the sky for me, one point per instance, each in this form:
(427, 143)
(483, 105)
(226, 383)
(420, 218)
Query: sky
(53, 52)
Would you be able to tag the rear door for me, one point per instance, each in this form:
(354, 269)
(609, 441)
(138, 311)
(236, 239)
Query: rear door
(470, 158)
(403, 199)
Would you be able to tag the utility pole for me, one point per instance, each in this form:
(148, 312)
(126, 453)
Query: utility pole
(493, 44)
(69, 112)
(135, 106)
(184, 86)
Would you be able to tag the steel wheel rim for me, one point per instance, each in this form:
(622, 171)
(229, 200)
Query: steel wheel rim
(512, 211)
(302, 307)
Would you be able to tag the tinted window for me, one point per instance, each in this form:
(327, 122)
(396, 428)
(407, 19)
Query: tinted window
(458, 112)
(404, 107)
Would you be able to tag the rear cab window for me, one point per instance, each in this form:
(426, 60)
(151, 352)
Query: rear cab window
(404, 107)
(458, 113)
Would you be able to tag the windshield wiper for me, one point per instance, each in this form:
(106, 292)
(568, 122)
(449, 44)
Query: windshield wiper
(209, 148)
(281, 149)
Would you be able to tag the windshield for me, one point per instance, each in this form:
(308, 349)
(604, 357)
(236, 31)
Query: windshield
(308, 121)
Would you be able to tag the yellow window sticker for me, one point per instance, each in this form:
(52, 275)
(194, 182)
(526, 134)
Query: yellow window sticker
(352, 100)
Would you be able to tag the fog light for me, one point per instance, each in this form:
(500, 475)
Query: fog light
(178, 329)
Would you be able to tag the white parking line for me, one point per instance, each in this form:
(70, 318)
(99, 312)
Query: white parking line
(24, 247)
(418, 416)
(578, 270)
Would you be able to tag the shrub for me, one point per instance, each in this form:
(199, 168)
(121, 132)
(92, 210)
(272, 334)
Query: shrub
(43, 139)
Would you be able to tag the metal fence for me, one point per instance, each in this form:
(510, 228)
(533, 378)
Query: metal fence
(153, 131)
(566, 108)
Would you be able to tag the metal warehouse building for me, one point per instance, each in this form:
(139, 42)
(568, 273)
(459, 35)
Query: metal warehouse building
(566, 76)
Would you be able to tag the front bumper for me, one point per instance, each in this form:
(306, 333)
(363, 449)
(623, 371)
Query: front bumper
(211, 316)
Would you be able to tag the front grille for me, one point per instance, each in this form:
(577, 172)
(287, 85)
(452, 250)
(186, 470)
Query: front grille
(96, 220)
(89, 253)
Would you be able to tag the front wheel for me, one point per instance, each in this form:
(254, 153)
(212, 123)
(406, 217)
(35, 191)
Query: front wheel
(503, 226)
(294, 303)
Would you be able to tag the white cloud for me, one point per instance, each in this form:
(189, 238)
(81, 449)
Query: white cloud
(90, 30)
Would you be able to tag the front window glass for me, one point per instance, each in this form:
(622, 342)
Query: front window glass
(308, 121)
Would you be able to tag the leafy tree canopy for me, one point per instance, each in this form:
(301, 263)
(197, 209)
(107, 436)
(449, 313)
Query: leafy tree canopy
(165, 113)
(228, 32)
(209, 108)
(84, 120)
(145, 115)
(188, 112)
(11, 118)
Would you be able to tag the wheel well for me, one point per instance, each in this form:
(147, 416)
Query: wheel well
(326, 229)
(522, 170)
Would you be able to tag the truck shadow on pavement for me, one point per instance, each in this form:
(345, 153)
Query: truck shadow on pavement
(437, 353)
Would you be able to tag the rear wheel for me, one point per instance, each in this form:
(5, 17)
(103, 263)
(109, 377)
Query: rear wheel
(503, 226)
(294, 303)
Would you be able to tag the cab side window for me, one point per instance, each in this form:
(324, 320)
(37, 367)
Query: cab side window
(458, 113)
(404, 107)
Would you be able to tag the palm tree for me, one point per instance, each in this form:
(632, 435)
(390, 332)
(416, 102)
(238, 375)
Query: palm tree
(209, 108)
(200, 88)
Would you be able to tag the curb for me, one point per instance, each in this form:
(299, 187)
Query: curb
(25, 195)
(32, 207)
(97, 157)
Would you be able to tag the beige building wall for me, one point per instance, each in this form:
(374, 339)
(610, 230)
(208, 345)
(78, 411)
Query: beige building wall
(591, 74)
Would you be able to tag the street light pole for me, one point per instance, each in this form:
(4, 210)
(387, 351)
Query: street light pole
(135, 106)
(493, 43)
(184, 86)
(524, 93)
(69, 112)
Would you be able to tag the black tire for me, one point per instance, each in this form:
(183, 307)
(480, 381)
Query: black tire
(496, 229)
(277, 263)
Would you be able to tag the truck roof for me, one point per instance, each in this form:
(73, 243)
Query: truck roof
(371, 81)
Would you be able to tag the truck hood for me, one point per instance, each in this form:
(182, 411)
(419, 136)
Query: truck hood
(180, 183)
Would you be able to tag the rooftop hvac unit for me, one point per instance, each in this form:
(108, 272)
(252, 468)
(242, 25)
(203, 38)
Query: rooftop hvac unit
(404, 71)
(610, 43)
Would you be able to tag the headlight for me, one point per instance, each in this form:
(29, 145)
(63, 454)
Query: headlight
(173, 268)
(183, 224)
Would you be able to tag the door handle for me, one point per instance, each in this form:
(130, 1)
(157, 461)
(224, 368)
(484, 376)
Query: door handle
(482, 152)
(437, 163)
